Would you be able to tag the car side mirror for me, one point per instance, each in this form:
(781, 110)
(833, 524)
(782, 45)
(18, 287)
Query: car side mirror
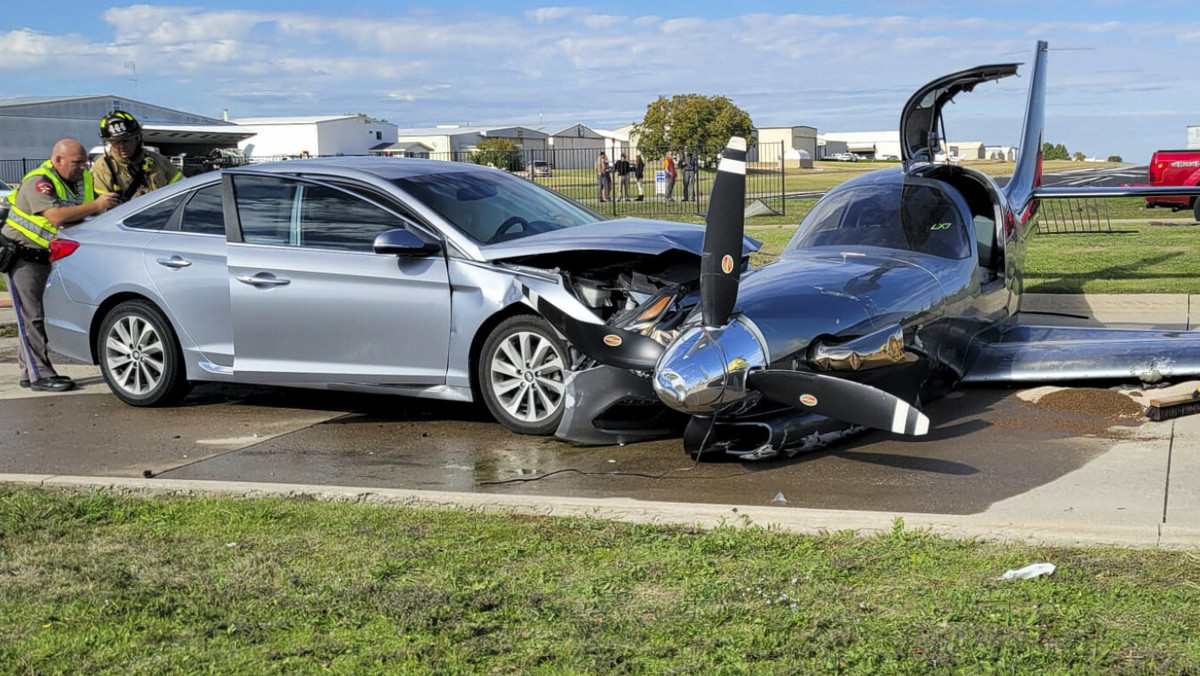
(403, 242)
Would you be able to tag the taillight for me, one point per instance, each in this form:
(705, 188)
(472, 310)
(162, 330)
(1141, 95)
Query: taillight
(61, 248)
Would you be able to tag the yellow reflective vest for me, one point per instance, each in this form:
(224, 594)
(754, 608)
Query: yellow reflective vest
(37, 228)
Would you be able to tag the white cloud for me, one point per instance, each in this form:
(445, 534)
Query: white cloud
(834, 71)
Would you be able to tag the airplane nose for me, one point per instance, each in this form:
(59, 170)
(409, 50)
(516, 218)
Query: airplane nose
(704, 371)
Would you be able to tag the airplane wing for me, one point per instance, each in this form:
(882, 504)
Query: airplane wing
(1085, 192)
(1032, 354)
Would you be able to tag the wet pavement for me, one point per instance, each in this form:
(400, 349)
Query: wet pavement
(993, 464)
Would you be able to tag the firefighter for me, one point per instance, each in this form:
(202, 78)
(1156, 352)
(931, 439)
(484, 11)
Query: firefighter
(128, 168)
(57, 194)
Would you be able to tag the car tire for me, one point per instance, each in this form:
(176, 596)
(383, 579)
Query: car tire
(522, 375)
(1196, 208)
(139, 355)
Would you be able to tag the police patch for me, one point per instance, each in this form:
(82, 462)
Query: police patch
(44, 186)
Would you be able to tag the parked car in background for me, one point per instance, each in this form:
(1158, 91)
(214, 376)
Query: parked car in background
(401, 276)
(844, 157)
(5, 190)
(540, 169)
(1175, 167)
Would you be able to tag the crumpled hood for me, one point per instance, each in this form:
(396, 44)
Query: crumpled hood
(630, 235)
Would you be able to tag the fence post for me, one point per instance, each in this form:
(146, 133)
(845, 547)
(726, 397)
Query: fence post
(782, 180)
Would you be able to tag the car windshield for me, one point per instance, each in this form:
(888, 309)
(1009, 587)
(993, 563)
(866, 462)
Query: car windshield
(491, 206)
(913, 217)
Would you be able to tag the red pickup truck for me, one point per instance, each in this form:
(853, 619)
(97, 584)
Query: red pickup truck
(1175, 167)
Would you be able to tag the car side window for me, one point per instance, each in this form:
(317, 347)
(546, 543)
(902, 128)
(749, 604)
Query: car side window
(203, 213)
(331, 219)
(265, 205)
(155, 216)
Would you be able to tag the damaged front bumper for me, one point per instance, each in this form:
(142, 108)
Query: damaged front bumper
(606, 405)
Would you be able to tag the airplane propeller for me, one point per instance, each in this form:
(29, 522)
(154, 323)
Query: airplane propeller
(606, 344)
(841, 399)
(721, 262)
(720, 273)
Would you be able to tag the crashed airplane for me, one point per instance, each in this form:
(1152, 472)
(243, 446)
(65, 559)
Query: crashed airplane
(898, 285)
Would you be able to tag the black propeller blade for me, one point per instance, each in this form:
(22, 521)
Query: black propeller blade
(605, 344)
(721, 264)
(841, 399)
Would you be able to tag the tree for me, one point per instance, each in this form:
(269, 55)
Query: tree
(498, 152)
(1079, 156)
(1115, 158)
(1055, 151)
(692, 121)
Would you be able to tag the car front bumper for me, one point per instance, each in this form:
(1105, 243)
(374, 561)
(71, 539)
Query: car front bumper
(607, 405)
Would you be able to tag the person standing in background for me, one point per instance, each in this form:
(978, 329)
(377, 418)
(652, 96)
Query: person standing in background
(668, 165)
(639, 171)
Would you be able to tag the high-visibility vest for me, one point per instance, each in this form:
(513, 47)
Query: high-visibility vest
(37, 228)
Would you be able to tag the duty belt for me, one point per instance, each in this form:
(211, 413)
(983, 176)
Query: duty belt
(32, 254)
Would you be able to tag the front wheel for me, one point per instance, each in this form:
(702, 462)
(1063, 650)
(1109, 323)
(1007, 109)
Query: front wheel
(522, 375)
(140, 356)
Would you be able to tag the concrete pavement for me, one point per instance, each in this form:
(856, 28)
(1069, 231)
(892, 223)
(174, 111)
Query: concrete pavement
(1135, 491)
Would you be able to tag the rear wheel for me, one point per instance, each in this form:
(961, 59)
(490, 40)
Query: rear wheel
(140, 356)
(522, 375)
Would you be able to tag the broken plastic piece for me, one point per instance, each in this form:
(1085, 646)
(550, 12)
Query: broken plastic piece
(1029, 572)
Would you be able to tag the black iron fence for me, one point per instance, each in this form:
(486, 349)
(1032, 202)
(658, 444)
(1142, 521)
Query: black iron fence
(575, 173)
(12, 171)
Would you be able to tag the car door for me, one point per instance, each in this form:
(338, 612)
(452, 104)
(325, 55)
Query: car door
(313, 304)
(186, 262)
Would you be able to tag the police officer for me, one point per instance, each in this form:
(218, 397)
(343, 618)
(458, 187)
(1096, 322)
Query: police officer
(127, 168)
(57, 194)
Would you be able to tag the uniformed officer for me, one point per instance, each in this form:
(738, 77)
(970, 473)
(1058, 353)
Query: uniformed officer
(127, 168)
(56, 194)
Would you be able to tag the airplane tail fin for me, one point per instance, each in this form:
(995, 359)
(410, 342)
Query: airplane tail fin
(1027, 176)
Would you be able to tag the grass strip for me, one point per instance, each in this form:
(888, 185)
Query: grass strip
(105, 583)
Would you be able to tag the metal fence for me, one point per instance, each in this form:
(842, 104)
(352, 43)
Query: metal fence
(572, 173)
(12, 171)
(1074, 216)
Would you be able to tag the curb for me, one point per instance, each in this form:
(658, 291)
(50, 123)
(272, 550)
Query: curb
(1150, 535)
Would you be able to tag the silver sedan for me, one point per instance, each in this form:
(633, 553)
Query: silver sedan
(413, 277)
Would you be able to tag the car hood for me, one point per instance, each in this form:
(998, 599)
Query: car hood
(626, 235)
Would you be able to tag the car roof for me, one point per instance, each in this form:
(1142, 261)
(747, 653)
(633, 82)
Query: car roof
(387, 168)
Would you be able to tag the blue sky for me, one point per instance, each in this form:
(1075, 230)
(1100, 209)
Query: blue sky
(1123, 75)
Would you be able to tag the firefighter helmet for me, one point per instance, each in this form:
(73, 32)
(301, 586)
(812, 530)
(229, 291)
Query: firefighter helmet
(118, 126)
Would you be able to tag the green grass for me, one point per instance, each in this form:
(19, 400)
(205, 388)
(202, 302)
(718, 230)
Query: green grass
(99, 583)
(1147, 259)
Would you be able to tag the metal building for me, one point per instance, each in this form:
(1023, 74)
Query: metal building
(30, 126)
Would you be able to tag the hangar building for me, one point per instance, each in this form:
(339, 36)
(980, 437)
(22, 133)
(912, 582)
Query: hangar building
(30, 126)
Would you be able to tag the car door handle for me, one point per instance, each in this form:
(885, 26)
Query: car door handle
(260, 280)
(173, 262)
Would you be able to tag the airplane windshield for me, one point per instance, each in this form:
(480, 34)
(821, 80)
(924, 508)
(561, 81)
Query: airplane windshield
(910, 217)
